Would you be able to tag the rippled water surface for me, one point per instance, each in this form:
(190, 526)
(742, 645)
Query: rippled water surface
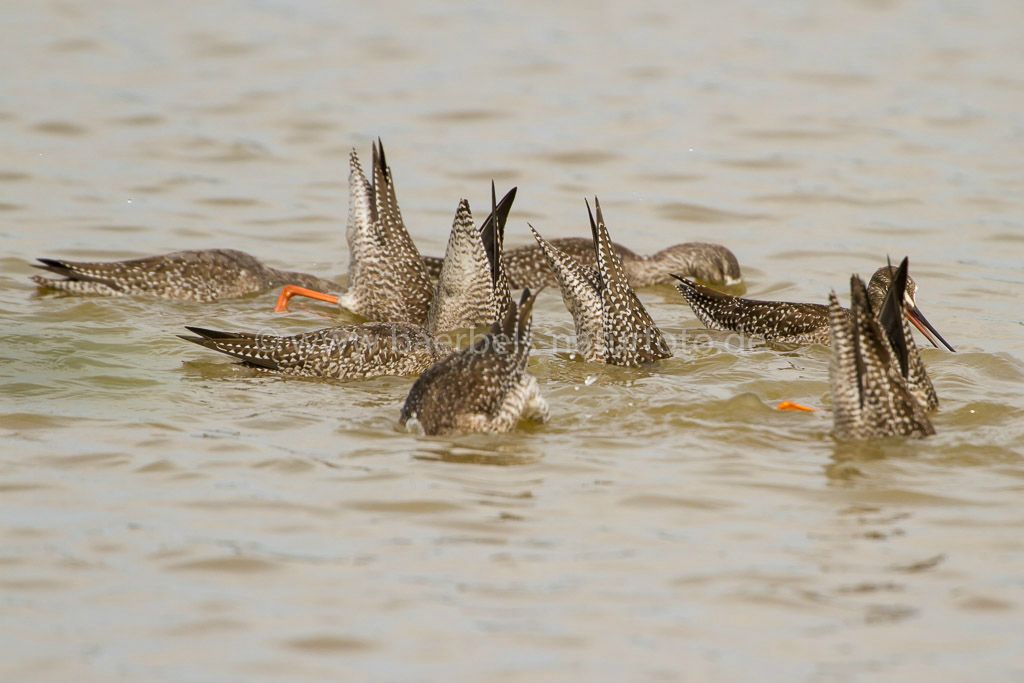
(168, 516)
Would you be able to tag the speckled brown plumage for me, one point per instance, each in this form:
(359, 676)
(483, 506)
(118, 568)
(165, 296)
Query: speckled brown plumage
(387, 279)
(894, 322)
(472, 288)
(772, 320)
(483, 388)
(869, 375)
(782, 321)
(198, 275)
(393, 348)
(709, 263)
(612, 326)
(343, 352)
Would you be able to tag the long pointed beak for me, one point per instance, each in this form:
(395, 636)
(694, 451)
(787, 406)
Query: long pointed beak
(294, 290)
(916, 317)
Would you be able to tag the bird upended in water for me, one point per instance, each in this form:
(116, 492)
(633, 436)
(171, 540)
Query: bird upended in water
(483, 388)
(386, 278)
(798, 323)
(472, 287)
(527, 266)
(879, 384)
(203, 276)
(612, 326)
(387, 281)
(382, 257)
(472, 290)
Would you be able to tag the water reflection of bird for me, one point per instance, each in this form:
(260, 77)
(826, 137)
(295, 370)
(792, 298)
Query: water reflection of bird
(793, 322)
(472, 290)
(612, 326)
(879, 383)
(483, 388)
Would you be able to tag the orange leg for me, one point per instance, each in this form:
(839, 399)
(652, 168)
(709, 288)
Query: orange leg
(294, 290)
(790, 405)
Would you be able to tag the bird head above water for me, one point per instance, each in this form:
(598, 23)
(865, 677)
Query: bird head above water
(878, 383)
(878, 288)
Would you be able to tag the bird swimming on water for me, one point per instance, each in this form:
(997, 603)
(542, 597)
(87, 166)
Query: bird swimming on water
(483, 388)
(798, 323)
(472, 290)
(377, 235)
(203, 276)
(612, 326)
(709, 263)
(879, 384)
(382, 257)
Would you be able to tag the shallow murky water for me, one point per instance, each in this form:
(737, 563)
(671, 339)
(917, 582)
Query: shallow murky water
(168, 516)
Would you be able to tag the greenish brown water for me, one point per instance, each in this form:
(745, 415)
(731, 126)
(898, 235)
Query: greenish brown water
(168, 516)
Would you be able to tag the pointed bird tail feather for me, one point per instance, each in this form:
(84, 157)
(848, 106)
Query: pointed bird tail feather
(891, 317)
(244, 346)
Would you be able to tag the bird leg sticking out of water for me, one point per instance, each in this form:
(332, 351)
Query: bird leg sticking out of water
(202, 276)
(709, 263)
(483, 388)
(387, 281)
(799, 323)
(879, 384)
(473, 290)
(612, 326)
